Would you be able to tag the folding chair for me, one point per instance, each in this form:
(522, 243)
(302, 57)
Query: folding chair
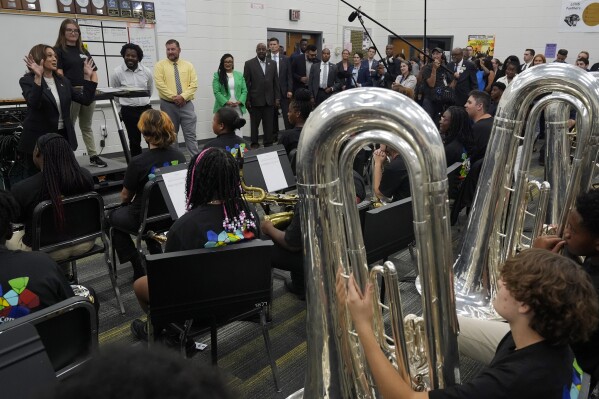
(155, 218)
(68, 330)
(83, 221)
(212, 287)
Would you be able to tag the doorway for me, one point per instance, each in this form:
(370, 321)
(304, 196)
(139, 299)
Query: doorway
(400, 47)
(290, 40)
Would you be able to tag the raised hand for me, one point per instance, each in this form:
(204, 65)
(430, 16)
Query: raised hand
(88, 67)
(36, 68)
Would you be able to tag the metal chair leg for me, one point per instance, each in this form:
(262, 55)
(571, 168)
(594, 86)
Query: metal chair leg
(110, 260)
(213, 343)
(273, 364)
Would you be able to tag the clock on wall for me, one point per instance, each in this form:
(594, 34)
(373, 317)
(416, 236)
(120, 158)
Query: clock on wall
(67, 6)
(98, 7)
(125, 7)
(113, 8)
(82, 6)
(31, 5)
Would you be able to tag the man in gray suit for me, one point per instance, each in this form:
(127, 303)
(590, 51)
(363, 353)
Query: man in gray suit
(323, 80)
(264, 94)
(285, 81)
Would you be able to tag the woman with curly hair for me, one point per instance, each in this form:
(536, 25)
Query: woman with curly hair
(158, 131)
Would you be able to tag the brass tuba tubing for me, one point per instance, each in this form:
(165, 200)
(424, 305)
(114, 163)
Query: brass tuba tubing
(328, 207)
(482, 246)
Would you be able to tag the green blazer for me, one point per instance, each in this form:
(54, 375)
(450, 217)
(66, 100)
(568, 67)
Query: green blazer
(220, 93)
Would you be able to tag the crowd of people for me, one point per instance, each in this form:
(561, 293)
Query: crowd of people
(461, 96)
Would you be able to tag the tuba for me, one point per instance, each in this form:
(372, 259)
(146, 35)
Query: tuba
(495, 217)
(333, 243)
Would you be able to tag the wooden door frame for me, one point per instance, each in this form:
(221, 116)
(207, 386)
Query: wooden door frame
(290, 49)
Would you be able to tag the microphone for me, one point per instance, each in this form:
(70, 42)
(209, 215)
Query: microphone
(352, 17)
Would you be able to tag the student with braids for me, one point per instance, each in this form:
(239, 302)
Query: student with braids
(29, 281)
(455, 129)
(217, 214)
(225, 123)
(299, 111)
(159, 132)
(60, 175)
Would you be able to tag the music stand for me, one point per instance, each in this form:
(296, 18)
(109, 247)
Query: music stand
(269, 169)
(173, 189)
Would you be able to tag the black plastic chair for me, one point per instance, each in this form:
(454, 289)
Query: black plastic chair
(22, 356)
(154, 219)
(212, 287)
(83, 221)
(388, 229)
(68, 330)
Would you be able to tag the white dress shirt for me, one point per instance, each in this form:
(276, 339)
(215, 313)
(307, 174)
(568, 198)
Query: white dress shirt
(141, 78)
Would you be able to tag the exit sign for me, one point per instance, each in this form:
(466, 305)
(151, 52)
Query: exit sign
(294, 15)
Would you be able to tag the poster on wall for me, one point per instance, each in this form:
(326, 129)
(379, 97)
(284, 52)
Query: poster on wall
(579, 16)
(356, 39)
(171, 16)
(484, 44)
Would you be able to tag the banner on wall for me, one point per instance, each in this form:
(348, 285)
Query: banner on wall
(484, 44)
(356, 39)
(579, 16)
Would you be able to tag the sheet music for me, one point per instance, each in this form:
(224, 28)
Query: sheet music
(272, 171)
(175, 185)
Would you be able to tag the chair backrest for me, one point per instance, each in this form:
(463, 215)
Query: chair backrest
(388, 229)
(68, 330)
(209, 283)
(23, 358)
(83, 221)
(154, 211)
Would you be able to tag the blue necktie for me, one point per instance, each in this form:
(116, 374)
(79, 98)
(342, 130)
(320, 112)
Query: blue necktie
(178, 80)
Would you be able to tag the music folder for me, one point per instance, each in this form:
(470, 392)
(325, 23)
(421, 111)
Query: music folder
(269, 169)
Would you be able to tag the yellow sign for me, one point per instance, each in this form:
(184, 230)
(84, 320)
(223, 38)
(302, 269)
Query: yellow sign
(484, 44)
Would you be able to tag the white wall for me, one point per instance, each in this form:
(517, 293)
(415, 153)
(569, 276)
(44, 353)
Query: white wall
(215, 27)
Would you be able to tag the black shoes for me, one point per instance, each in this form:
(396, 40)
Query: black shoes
(170, 337)
(97, 162)
(140, 330)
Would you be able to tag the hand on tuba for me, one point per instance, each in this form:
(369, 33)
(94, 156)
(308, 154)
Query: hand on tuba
(551, 243)
(360, 305)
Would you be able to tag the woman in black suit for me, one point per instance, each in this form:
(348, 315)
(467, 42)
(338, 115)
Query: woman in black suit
(359, 75)
(48, 98)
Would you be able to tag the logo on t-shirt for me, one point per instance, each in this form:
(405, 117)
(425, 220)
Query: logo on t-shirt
(18, 301)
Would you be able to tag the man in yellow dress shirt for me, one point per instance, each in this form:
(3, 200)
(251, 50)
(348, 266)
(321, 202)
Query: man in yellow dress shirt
(177, 82)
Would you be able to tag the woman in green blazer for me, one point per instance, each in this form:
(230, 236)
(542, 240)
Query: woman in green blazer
(229, 87)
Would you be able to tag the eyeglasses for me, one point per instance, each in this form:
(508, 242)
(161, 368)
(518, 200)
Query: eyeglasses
(69, 30)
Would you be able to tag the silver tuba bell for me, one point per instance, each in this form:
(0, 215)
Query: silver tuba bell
(497, 208)
(333, 243)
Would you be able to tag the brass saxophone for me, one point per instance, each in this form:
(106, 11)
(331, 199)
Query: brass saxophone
(331, 137)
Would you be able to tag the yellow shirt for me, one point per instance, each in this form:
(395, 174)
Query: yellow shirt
(164, 79)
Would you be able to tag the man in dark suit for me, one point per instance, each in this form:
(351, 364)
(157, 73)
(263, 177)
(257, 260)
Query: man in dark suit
(393, 63)
(264, 94)
(529, 54)
(464, 72)
(303, 44)
(285, 82)
(323, 80)
(300, 67)
(370, 62)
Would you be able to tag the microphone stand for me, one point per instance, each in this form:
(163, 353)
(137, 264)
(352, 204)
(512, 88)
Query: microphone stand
(359, 12)
(383, 60)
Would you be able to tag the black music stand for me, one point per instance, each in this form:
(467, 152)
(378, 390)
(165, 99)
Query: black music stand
(254, 176)
(160, 172)
(126, 93)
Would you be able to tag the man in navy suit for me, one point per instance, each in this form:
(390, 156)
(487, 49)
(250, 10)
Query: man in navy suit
(323, 83)
(464, 72)
(303, 44)
(370, 62)
(285, 81)
(300, 67)
(264, 94)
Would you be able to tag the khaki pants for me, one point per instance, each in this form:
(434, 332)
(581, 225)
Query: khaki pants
(478, 339)
(85, 113)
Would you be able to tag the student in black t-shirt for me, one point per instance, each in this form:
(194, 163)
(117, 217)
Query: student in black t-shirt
(548, 302)
(477, 108)
(455, 129)
(217, 214)
(299, 110)
(71, 55)
(581, 238)
(158, 131)
(60, 175)
(392, 183)
(29, 281)
(224, 124)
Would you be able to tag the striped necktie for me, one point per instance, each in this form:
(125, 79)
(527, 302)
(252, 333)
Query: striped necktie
(177, 79)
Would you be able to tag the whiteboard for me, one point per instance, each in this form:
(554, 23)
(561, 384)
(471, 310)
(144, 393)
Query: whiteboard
(104, 39)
